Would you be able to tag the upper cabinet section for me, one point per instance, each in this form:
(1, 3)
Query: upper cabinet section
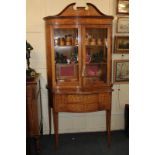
(78, 45)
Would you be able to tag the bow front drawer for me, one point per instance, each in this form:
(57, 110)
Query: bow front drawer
(92, 98)
(82, 102)
(74, 99)
(105, 101)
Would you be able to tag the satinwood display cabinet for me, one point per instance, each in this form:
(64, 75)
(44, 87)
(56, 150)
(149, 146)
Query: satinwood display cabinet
(78, 44)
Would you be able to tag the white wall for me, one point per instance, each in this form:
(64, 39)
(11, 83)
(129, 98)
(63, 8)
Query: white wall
(36, 10)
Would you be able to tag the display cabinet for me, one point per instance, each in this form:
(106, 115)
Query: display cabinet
(78, 45)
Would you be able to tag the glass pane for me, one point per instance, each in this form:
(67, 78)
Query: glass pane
(96, 54)
(96, 71)
(66, 54)
(95, 36)
(66, 37)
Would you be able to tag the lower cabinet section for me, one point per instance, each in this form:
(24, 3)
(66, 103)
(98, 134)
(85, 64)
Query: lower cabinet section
(78, 102)
(82, 102)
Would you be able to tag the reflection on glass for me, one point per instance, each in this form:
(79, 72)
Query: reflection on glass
(96, 54)
(66, 54)
(65, 37)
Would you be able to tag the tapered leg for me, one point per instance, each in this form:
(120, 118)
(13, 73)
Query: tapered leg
(55, 120)
(108, 126)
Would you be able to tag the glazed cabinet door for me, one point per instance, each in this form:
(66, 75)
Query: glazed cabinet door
(66, 56)
(96, 63)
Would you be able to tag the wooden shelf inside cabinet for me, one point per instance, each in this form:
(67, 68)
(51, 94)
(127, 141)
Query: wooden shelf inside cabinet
(65, 64)
(94, 45)
(83, 68)
(95, 63)
(66, 46)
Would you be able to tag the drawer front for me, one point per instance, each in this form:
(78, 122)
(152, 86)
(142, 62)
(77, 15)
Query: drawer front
(105, 101)
(75, 107)
(59, 103)
(75, 103)
(74, 99)
(91, 102)
(91, 107)
(69, 103)
(82, 102)
(92, 98)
